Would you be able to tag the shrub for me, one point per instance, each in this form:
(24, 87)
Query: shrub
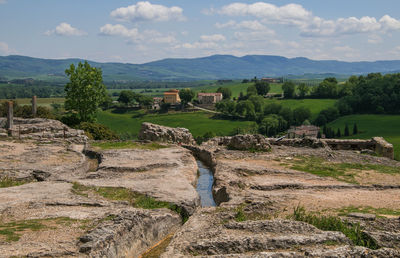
(97, 131)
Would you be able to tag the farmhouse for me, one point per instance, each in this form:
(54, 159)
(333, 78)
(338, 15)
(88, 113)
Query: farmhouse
(303, 131)
(269, 80)
(209, 98)
(172, 97)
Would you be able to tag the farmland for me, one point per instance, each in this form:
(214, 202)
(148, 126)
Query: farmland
(387, 126)
(197, 122)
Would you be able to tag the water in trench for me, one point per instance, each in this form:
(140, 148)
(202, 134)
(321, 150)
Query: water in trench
(204, 185)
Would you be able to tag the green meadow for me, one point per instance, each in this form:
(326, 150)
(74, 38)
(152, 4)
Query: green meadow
(197, 122)
(40, 101)
(387, 126)
(315, 105)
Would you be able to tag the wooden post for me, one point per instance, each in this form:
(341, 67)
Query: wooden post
(10, 116)
(34, 106)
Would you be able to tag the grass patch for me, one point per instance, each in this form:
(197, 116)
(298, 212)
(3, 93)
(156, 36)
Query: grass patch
(331, 223)
(12, 231)
(135, 199)
(128, 145)
(368, 209)
(9, 182)
(340, 171)
(243, 215)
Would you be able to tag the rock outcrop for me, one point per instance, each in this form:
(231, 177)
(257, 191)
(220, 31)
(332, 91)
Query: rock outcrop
(44, 129)
(153, 132)
(245, 142)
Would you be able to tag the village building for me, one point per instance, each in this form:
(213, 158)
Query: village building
(209, 98)
(156, 103)
(269, 80)
(172, 97)
(303, 131)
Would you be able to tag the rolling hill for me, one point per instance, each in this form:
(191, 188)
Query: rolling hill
(182, 69)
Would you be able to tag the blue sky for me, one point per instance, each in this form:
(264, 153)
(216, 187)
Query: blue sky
(143, 31)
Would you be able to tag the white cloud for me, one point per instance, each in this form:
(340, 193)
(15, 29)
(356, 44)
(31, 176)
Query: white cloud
(135, 36)
(230, 23)
(199, 45)
(254, 35)
(374, 39)
(212, 38)
(3, 1)
(309, 25)
(288, 14)
(65, 29)
(119, 30)
(146, 11)
(248, 25)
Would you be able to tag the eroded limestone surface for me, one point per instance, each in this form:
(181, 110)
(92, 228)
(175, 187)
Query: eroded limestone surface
(258, 192)
(66, 206)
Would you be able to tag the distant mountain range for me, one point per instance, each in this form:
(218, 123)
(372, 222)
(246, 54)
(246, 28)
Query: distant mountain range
(186, 69)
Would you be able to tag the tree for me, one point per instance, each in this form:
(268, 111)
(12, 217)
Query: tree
(355, 129)
(338, 133)
(288, 89)
(251, 90)
(346, 130)
(226, 92)
(300, 114)
(319, 135)
(262, 87)
(85, 91)
(186, 95)
(269, 125)
(126, 97)
(303, 90)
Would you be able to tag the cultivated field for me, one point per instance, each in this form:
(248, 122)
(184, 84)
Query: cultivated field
(387, 126)
(41, 101)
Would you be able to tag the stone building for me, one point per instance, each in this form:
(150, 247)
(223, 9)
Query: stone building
(172, 97)
(209, 98)
(303, 131)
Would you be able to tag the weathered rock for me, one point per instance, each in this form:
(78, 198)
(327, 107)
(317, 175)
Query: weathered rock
(46, 129)
(129, 234)
(364, 216)
(383, 148)
(255, 142)
(153, 132)
(167, 174)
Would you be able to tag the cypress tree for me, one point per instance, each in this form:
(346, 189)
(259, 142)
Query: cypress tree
(338, 133)
(319, 135)
(355, 129)
(346, 131)
(324, 131)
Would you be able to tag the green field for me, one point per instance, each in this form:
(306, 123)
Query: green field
(197, 122)
(315, 105)
(41, 101)
(387, 126)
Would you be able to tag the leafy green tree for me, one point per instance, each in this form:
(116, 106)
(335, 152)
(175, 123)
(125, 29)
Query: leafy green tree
(319, 135)
(303, 90)
(126, 97)
(288, 89)
(300, 114)
(258, 102)
(226, 92)
(85, 91)
(328, 88)
(287, 114)
(246, 108)
(273, 108)
(251, 90)
(262, 87)
(186, 95)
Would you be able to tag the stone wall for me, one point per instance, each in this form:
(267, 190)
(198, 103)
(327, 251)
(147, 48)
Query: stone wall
(377, 144)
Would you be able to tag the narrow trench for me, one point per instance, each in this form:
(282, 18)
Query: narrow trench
(205, 184)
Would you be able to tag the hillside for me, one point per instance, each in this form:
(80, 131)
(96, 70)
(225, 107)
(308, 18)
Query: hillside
(212, 67)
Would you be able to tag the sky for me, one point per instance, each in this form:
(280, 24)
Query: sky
(144, 31)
